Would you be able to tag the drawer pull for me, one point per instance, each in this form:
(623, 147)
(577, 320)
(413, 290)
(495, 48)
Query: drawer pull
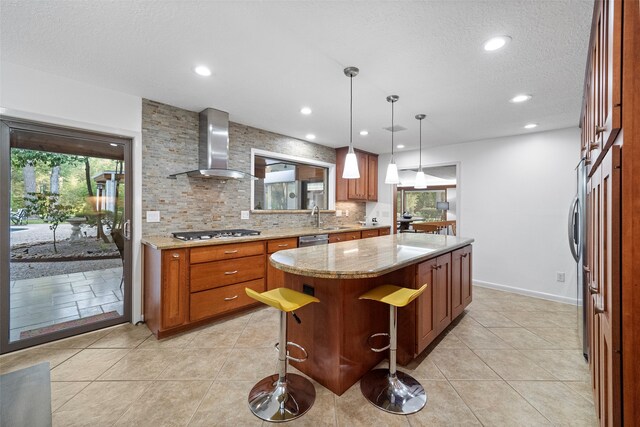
(464, 255)
(593, 290)
(436, 267)
(597, 309)
(235, 251)
(175, 255)
(227, 273)
(600, 129)
(338, 239)
(593, 146)
(283, 245)
(231, 298)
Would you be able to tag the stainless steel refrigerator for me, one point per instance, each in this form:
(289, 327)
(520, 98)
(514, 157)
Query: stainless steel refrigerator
(578, 246)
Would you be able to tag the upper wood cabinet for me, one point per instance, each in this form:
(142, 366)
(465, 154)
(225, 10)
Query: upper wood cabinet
(364, 188)
(601, 117)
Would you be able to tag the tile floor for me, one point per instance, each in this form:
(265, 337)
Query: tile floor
(49, 300)
(510, 360)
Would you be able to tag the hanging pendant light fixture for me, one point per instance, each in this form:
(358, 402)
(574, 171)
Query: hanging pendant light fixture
(392, 169)
(421, 180)
(351, 162)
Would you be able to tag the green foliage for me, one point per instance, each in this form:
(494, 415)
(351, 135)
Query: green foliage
(46, 206)
(21, 157)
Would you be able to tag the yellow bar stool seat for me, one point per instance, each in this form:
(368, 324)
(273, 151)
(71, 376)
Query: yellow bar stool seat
(283, 397)
(388, 389)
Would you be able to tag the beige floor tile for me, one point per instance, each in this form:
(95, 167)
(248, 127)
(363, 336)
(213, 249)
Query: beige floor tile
(196, 364)
(248, 364)
(352, 409)
(495, 403)
(444, 407)
(513, 365)
(566, 365)
(527, 319)
(448, 340)
(125, 336)
(480, 337)
(33, 356)
(87, 365)
(560, 338)
(322, 413)
(179, 341)
(225, 404)
(557, 402)
(223, 334)
(422, 368)
(259, 335)
(142, 364)
(99, 404)
(583, 388)
(461, 364)
(166, 403)
(62, 392)
(520, 338)
(79, 341)
(493, 319)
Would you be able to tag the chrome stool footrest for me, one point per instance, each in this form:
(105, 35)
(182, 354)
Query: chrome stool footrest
(295, 359)
(381, 334)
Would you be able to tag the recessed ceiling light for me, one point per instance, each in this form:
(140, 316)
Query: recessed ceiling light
(496, 43)
(530, 125)
(364, 132)
(201, 70)
(113, 145)
(520, 98)
(311, 136)
(305, 110)
(400, 146)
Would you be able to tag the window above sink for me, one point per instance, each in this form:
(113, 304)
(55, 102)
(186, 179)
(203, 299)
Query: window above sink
(290, 183)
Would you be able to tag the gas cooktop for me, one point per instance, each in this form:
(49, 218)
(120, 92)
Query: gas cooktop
(214, 234)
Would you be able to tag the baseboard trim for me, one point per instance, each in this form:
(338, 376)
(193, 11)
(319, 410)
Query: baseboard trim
(527, 292)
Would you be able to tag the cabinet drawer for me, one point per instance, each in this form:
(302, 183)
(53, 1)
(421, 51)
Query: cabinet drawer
(220, 300)
(280, 244)
(219, 252)
(384, 231)
(211, 275)
(343, 237)
(370, 233)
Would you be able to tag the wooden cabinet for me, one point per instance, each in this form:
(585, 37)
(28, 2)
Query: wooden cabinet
(460, 280)
(426, 330)
(275, 277)
(385, 231)
(365, 234)
(601, 117)
(364, 188)
(166, 295)
(344, 237)
(442, 292)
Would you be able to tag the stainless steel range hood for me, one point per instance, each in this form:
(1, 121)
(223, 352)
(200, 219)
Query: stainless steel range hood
(213, 148)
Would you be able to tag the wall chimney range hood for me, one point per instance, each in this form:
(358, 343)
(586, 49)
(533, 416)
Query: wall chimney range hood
(213, 148)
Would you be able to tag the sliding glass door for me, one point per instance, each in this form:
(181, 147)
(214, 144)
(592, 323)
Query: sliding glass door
(65, 263)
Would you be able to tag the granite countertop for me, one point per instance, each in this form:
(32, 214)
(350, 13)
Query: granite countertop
(167, 242)
(365, 258)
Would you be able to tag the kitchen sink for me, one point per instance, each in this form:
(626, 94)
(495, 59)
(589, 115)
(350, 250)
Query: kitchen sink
(335, 228)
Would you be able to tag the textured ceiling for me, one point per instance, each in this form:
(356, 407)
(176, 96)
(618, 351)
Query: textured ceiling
(270, 58)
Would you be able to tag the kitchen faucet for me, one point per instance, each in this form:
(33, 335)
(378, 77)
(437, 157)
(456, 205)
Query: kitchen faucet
(316, 211)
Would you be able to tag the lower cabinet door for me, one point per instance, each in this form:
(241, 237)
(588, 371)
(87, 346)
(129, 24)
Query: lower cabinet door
(460, 280)
(425, 310)
(442, 292)
(175, 292)
(220, 300)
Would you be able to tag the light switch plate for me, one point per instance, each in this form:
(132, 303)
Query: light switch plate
(338, 212)
(153, 216)
(244, 214)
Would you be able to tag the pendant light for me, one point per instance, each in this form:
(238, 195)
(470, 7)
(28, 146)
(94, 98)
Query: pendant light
(351, 162)
(392, 169)
(421, 180)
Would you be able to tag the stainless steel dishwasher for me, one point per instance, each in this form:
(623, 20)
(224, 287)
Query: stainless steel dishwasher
(317, 239)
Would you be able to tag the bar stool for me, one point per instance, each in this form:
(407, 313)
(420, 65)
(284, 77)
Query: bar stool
(282, 397)
(390, 390)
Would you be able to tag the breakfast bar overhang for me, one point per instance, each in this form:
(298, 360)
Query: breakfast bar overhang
(335, 332)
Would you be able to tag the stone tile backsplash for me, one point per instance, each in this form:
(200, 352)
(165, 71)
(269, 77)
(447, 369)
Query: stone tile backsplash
(170, 145)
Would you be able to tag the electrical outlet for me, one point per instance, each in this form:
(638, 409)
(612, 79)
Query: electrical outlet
(560, 276)
(338, 212)
(153, 216)
(244, 214)
(346, 213)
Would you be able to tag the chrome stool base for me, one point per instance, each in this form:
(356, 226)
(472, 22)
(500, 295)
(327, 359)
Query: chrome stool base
(277, 402)
(401, 394)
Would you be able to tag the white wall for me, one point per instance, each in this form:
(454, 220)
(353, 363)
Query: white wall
(513, 196)
(31, 94)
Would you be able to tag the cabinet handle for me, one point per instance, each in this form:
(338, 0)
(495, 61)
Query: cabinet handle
(600, 129)
(283, 245)
(586, 269)
(593, 290)
(230, 272)
(175, 255)
(597, 309)
(436, 267)
(231, 298)
(593, 146)
(464, 255)
(338, 239)
(231, 252)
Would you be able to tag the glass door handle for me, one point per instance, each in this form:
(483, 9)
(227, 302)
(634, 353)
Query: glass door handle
(127, 229)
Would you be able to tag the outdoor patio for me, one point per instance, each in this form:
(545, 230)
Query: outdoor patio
(44, 294)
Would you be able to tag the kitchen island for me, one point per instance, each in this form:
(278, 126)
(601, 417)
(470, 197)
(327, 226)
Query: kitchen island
(335, 332)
